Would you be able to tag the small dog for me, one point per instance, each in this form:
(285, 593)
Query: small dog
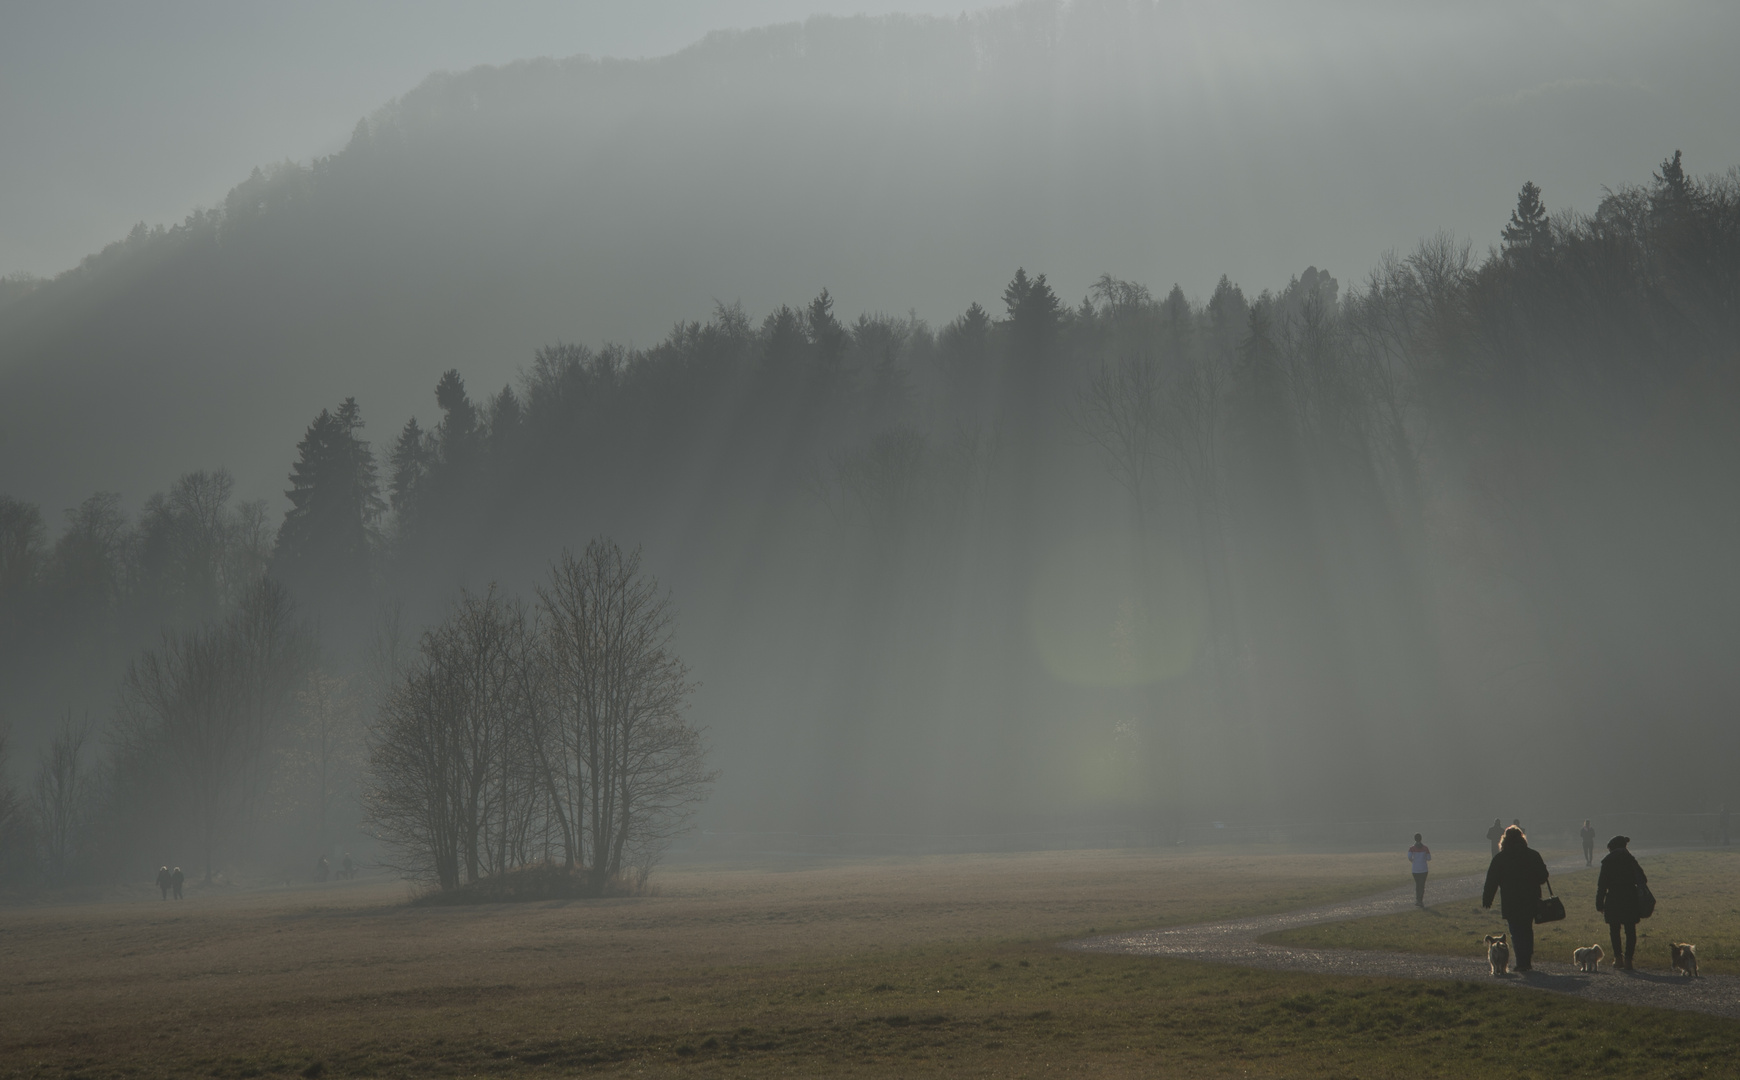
(1586, 959)
(1685, 958)
(1498, 954)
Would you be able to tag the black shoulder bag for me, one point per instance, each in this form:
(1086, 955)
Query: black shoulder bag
(1645, 901)
(1552, 909)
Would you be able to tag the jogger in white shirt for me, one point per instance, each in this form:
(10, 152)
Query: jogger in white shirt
(1419, 855)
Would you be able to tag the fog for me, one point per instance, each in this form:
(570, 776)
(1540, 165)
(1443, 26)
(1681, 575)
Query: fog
(1095, 416)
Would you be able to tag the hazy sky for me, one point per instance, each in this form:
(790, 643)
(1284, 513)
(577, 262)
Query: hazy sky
(114, 112)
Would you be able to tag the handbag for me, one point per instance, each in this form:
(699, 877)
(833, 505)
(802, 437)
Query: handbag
(1552, 909)
(1645, 901)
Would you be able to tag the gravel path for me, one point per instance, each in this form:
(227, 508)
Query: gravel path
(1235, 942)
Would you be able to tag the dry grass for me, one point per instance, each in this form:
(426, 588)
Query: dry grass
(1696, 901)
(940, 966)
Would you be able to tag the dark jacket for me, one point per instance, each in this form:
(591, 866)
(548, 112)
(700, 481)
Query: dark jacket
(1616, 890)
(1518, 872)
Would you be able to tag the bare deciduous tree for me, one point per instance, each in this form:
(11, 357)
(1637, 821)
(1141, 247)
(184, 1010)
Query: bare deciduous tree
(206, 706)
(14, 824)
(322, 757)
(60, 792)
(512, 730)
(630, 767)
(456, 789)
(1121, 410)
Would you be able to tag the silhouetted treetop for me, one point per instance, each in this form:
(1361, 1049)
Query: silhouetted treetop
(1528, 227)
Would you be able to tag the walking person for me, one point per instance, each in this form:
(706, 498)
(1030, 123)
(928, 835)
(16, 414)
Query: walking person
(163, 881)
(1495, 833)
(1517, 872)
(1616, 897)
(176, 877)
(1588, 843)
(1419, 855)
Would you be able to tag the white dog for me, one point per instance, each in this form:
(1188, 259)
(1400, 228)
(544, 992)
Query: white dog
(1586, 959)
(1498, 954)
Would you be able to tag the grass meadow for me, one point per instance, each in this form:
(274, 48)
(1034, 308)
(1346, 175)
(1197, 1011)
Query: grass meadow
(1697, 900)
(942, 966)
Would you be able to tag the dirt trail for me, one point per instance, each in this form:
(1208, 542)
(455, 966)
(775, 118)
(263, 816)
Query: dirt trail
(1235, 942)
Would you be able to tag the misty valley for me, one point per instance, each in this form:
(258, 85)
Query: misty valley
(811, 689)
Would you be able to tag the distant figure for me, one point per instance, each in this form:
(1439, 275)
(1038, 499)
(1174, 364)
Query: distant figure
(1495, 833)
(1616, 897)
(163, 881)
(175, 879)
(349, 871)
(1518, 872)
(1517, 822)
(322, 869)
(1588, 843)
(1419, 855)
(1724, 824)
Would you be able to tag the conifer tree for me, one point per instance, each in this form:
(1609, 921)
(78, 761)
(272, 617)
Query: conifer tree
(1228, 314)
(456, 436)
(1034, 310)
(410, 460)
(1675, 193)
(1035, 315)
(825, 331)
(324, 544)
(506, 418)
(1529, 229)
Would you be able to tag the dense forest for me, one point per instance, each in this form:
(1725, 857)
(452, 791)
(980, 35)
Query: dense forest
(1459, 531)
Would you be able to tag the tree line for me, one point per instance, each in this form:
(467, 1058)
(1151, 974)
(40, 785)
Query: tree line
(1125, 555)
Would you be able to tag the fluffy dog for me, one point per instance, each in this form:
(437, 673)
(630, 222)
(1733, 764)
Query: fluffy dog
(1586, 959)
(1685, 958)
(1498, 954)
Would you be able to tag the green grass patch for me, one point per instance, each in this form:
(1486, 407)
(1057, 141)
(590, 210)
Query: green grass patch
(1698, 900)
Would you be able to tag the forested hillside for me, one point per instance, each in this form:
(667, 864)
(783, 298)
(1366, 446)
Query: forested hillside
(908, 361)
(1334, 549)
(900, 162)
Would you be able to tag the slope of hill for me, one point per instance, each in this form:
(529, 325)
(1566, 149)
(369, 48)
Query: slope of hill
(894, 160)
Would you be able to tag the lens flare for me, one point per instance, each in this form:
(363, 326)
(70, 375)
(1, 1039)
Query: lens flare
(1105, 613)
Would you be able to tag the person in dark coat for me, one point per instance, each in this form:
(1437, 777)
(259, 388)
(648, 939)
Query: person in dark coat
(163, 881)
(1495, 834)
(1616, 897)
(1517, 872)
(176, 877)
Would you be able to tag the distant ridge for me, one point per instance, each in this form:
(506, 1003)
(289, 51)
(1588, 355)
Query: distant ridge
(902, 162)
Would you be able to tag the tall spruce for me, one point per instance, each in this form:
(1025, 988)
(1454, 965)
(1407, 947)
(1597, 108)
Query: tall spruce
(413, 453)
(325, 544)
(1529, 229)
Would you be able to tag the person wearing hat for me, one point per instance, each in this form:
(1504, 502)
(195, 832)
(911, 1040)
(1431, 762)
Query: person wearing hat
(1616, 897)
(1518, 872)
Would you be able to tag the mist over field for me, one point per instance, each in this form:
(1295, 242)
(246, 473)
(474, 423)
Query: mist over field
(1108, 414)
